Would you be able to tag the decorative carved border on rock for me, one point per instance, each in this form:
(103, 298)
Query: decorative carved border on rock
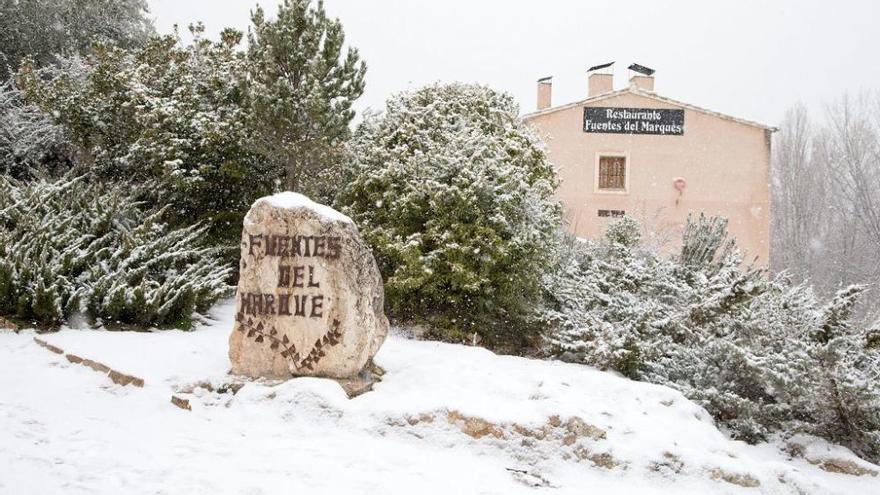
(258, 332)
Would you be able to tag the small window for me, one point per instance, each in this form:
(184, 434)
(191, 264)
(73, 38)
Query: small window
(612, 173)
(612, 213)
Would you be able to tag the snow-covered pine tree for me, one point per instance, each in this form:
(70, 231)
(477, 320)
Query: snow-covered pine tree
(47, 29)
(74, 245)
(455, 195)
(168, 117)
(302, 87)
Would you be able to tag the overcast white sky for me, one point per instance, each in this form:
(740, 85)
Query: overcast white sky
(749, 58)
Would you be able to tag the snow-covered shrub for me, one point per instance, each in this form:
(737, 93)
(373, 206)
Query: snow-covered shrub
(166, 117)
(603, 298)
(207, 127)
(762, 355)
(624, 232)
(848, 385)
(30, 143)
(455, 195)
(73, 245)
(45, 30)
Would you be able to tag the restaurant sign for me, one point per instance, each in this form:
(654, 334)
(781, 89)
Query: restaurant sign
(617, 120)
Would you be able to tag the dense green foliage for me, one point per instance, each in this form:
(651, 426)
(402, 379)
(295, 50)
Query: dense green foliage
(168, 117)
(174, 136)
(454, 194)
(302, 88)
(206, 127)
(45, 30)
(762, 355)
(73, 246)
(31, 144)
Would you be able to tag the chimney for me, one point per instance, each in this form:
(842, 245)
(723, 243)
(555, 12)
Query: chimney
(641, 77)
(545, 91)
(600, 83)
(645, 83)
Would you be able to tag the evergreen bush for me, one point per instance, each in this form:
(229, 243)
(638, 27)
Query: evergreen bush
(30, 143)
(455, 195)
(72, 245)
(46, 30)
(167, 118)
(760, 354)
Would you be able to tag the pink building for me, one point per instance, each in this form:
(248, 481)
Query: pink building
(631, 151)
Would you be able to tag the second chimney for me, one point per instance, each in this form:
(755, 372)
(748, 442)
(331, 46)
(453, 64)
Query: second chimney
(645, 83)
(545, 92)
(600, 83)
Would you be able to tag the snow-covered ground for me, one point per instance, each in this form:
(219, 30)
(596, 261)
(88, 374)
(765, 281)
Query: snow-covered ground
(445, 419)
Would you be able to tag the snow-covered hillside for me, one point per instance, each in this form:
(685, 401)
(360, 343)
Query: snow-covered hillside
(445, 419)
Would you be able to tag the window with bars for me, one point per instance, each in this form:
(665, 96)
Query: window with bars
(612, 213)
(612, 173)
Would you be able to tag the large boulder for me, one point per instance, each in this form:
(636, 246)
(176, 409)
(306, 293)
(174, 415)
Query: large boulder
(310, 297)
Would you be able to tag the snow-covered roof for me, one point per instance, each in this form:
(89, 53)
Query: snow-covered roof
(654, 96)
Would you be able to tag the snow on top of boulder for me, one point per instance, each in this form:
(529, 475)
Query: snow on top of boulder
(291, 200)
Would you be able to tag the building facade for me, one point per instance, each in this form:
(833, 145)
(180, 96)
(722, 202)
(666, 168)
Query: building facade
(633, 152)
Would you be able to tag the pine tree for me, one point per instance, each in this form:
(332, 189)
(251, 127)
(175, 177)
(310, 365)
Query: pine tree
(302, 87)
